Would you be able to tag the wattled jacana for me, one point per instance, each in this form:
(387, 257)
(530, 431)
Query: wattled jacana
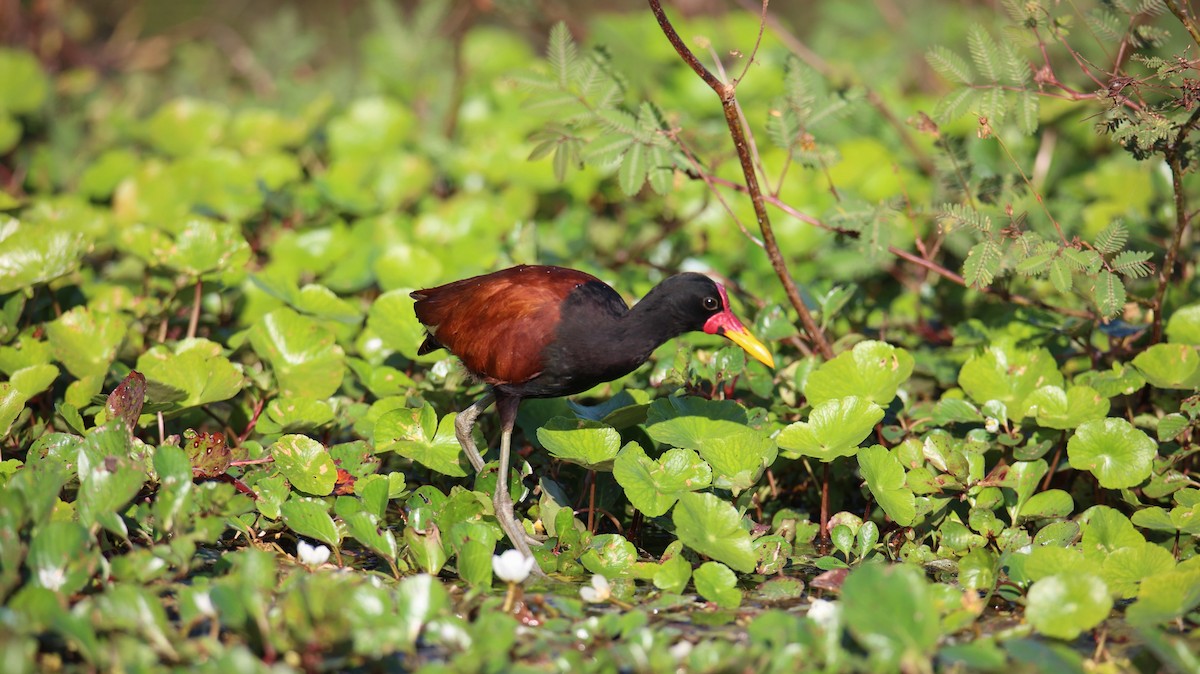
(544, 332)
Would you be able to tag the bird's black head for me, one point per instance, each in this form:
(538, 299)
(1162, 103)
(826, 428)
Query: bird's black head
(694, 302)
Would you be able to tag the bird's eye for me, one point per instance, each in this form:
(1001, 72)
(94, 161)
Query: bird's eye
(711, 304)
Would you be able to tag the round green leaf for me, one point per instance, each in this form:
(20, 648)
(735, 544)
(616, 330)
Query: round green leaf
(653, 486)
(1008, 374)
(716, 583)
(1184, 326)
(194, 366)
(871, 370)
(186, 126)
(1063, 605)
(885, 478)
(392, 318)
(1055, 408)
(1118, 454)
(609, 555)
(713, 527)
(305, 463)
(891, 611)
(1125, 568)
(23, 85)
(85, 341)
(1173, 366)
(590, 444)
(303, 354)
(418, 435)
(30, 254)
(308, 517)
(834, 429)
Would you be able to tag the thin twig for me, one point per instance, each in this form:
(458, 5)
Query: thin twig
(733, 120)
(194, 319)
(1175, 161)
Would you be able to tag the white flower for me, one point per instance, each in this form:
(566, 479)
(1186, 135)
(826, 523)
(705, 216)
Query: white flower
(52, 578)
(681, 650)
(599, 592)
(825, 613)
(204, 604)
(992, 424)
(512, 566)
(312, 555)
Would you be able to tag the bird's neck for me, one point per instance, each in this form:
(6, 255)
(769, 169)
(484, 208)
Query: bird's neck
(648, 325)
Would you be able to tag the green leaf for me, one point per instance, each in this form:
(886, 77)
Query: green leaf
(609, 555)
(309, 517)
(203, 247)
(23, 385)
(872, 370)
(305, 463)
(417, 435)
(23, 85)
(86, 342)
(835, 428)
(195, 367)
(1118, 454)
(1109, 294)
(303, 354)
(1184, 326)
(1166, 596)
(590, 444)
(1124, 569)
(392, 318)
(654, 486)
(1173, 366)
(1112, 239)
(978, 570)
(1063, 605)
(373, 533)
(635, 165)
(1063, 410)
(675, 571)
(884, 475)
(1060, 275)
(949, 65)
(1133, 263)
(713, 527)
(1008, 374)
(186, 126)
(982, 263)
(31, 254)
(890, 610)
(1027, 105)
(716, 583)
(561, 53)
(984, 53)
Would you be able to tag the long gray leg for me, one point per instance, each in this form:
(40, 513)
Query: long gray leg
(503, 502)
(464, 423)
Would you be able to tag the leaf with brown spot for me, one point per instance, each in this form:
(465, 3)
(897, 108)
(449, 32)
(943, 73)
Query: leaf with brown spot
(126, 400)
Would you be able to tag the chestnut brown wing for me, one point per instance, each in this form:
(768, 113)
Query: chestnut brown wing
(498, 324)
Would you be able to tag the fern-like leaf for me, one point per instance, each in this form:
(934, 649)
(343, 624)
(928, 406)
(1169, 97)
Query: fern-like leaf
(1016, 69)
(1112, 239)
(1027, 107)
(1133, 264)
(1060, 275)
(955, 104)
(561, 53)
(783, 125)
(1087, 261)
(984, 53)
(982, 263)
(956, 215)
(950, 65)
(1108, 294)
